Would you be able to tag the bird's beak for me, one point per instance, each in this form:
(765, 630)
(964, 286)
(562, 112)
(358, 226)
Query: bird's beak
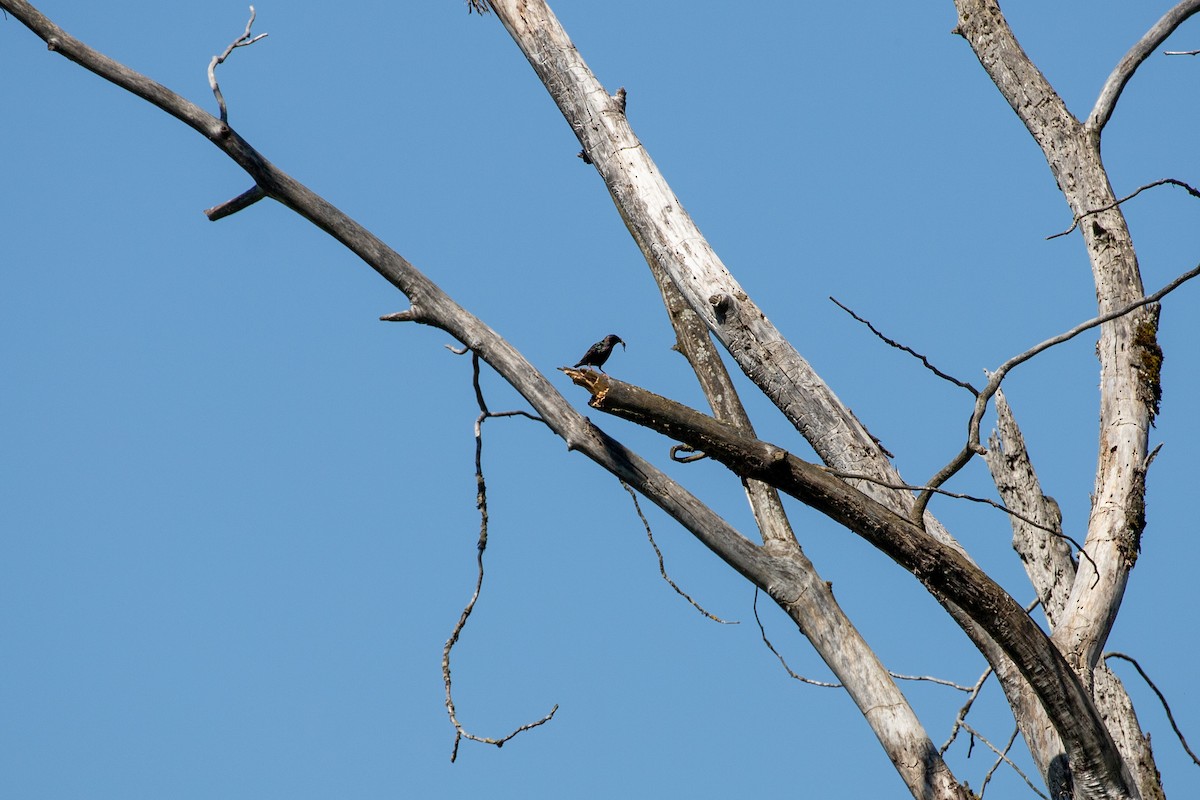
(622, 341)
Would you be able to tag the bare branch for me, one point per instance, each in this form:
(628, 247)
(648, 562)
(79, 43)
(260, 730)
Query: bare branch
(763, 632)
(1125, 68)
(230, 207)
(242, 41)
(948, 574)
(460, 732)
(1161, 699)
(1181, 52)
(1003, 757)
(960, 496)
(688, 459)
(1047, 559)
(826, 685)
(930, 679)
(1165, 181)
(892, 343)
(966, 709)
(972, 446)
(662, 569)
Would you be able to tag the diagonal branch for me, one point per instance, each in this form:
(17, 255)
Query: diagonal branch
(461, 732)
(432, 306)
(1037, 532)
(1129, 63)
(893, 343)
(1166, 706)
(1162, 182)
(949, 576)
(973, 446)
(244, 40)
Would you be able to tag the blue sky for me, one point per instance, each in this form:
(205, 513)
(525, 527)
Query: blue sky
(237, 512)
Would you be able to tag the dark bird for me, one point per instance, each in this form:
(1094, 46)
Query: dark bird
(598, 353)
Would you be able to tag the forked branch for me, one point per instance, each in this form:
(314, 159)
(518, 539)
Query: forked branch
(973, 447)
(460, 732)
(244, 40)
(947, 573)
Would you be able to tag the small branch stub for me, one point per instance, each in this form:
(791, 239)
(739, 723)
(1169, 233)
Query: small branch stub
(619, 99)
(230, 207)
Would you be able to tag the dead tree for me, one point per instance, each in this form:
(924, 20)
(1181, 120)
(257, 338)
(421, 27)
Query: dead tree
(1073, 713)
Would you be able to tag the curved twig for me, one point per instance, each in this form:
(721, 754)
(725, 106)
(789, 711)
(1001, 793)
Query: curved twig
(242, 41)
(1163, 182)
(972, 498)
(1166, 706)
(763, 632)
(972, 446)
(696, 455)
(662, 568)
(893, 343)
(460, 732)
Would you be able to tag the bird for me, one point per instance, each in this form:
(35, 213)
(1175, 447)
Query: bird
(598, 353)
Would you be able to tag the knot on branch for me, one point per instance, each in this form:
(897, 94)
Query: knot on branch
(724, 305)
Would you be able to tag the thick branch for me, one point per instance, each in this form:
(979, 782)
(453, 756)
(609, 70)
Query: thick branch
(948, 575)
(432, 306)
(1125, 68)
(1128, 390)
(815, 611)
(1046, 557)
(669, 237)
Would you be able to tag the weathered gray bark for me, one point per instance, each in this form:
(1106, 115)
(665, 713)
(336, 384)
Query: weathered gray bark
(1058, 692)
(815, 611)
(670, 240)
(1082, 605)
(949, 576)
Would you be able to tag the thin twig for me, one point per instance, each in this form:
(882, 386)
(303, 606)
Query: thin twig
(1161, 699)
(1181, 52)
(966, 709)
(999, 760)
(972, 498)
(972, 447)
(906, 349)
(975, 690)
(242, 41)
(763, 632)
(825, 685)
(1164, 182)
(930, 679)
(460, 732)
(662, 569)
(1003, 756)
